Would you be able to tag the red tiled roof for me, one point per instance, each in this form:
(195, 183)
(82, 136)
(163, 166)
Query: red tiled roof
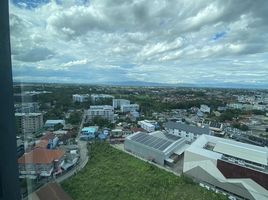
(52, 191)
(40, 156)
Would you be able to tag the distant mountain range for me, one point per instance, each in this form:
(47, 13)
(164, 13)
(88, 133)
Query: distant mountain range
(210, 85)
(154, 84)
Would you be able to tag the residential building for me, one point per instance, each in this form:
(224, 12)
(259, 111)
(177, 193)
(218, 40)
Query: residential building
(234, 167)
(205, 109)
(80, 97)
(129, 108)
(103, 111)
(40, 162)
(147, 125)
(159, 147)
(29, 122)
(117, 103)
(98, 97)
(190, 133)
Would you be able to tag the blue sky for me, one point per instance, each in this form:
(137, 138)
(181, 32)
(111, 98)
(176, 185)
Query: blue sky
(175, 41)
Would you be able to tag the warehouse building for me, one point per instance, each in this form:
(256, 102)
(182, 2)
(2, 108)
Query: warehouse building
(158, 146)
(234, 167)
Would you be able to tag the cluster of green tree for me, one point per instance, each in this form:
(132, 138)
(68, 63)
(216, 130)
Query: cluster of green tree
(101, 122)
(230, 115)
(242, 127)
(75, 118)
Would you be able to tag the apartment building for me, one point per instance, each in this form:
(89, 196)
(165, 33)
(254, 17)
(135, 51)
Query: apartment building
(103, 111)
(99, 97)
(29, 122)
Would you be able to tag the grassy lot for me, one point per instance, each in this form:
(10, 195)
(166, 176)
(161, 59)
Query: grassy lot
(112, 174)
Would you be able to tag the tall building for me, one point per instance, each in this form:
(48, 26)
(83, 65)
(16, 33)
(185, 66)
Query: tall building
(103, 111)
(234, 167)
(80, 97)
(117, 103)
(29, 122)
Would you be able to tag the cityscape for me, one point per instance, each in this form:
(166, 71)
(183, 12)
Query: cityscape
(214, 139)
(134, 100)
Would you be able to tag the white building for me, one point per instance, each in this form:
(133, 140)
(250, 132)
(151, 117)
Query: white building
(97, 97)
(205, 109)
(103, 111)
(147, 125)
(29, 122)
(117, 103)
(238, 168)
(129, 108)
(190, 133)
(80, 97)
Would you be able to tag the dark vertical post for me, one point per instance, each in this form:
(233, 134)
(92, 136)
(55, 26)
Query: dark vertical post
(9, 184)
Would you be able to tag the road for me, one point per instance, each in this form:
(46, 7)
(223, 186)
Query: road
(83, 152)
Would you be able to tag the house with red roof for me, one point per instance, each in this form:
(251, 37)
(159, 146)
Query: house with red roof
(41, 162)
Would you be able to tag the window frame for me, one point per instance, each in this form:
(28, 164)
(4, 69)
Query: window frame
(9, 182)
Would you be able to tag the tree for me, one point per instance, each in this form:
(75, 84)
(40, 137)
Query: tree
(75, 118)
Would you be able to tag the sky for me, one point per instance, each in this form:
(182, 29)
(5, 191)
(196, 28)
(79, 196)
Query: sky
(210, 42)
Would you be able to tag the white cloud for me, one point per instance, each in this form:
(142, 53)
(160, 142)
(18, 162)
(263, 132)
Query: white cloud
(158, 41)
(75, 62)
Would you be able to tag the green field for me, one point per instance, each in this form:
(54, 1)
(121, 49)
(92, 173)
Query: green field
(112, 174)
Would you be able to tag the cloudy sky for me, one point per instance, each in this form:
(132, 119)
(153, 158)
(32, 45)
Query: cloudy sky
(172, 41)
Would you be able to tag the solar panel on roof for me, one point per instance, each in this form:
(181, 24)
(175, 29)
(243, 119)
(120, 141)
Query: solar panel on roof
(152, 141)
(149, 141)
(159, 141)
(165, 145)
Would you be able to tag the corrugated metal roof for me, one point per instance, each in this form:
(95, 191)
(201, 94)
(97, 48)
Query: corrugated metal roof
(187, 128)
(242, 151)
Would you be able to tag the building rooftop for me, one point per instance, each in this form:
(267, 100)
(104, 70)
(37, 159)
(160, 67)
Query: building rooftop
(40, 156)
(187, 128)
(27, 114)
(215, 148)
(52, 191)
(55, 121)
(153, 140)
(91, 129)
(243, 151)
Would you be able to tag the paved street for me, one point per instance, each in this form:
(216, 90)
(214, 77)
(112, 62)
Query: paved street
(83, 151)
